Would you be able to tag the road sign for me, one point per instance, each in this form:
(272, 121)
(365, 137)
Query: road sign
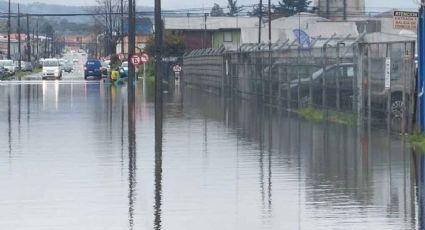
(135, 59)
(144, 58)
(388, 73)
(405, 20)
(177, 68)
(121, 56)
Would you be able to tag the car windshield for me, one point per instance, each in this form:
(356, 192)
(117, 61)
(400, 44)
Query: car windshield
(6, 63)
(93, 63)
(125, 64)
(50, 63)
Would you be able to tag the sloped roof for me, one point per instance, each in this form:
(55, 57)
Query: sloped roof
(212, 23)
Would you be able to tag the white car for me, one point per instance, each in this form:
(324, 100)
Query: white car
(9, 66)
(51, 69)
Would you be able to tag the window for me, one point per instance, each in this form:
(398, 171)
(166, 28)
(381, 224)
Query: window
(228, 37)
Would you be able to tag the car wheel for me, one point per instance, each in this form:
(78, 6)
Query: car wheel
(397, 106)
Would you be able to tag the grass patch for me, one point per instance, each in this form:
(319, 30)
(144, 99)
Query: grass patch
(311, 114)
(417, 141)
(319, 116)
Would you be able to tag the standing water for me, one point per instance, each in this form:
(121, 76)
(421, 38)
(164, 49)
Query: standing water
(70, 159)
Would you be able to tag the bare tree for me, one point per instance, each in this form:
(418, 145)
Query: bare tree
(108, 14)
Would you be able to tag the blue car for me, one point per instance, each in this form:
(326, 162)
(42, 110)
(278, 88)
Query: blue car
(92, 68)
(124, 70)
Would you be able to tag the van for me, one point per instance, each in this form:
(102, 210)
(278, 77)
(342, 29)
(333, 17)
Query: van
(92, 68)
(51, 69)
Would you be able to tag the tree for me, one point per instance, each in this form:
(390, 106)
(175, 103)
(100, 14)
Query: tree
(173, 45)
(256, 11)
(234, 9)
(217, 11)
(288, 8)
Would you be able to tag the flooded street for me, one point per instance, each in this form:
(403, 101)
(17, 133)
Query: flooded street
(71, 160)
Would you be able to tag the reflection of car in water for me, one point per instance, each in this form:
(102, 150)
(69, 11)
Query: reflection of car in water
(124, 70)
(338, 80)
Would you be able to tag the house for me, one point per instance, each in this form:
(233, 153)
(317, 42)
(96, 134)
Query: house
(210, 32)
(144, 32)
(340, 9)
(285, 29)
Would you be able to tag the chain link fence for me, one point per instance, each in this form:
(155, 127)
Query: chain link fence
(375, 81)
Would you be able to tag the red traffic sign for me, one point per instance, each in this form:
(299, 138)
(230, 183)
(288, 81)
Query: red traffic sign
(135, 59)
(177, 68)
(144, 58)
(121, 56)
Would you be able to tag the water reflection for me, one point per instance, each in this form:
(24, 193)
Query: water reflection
(218, 162)
(158, 159)
(131, 150)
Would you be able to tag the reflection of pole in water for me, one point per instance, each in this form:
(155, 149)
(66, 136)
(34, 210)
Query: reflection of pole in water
(28, 103)
(420, 180)
(270, 161)
(131, 156)
(9, 121)
(158, 161)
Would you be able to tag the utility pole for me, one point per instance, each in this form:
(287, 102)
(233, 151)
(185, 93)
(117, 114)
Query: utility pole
(421, 65)
(8, 34)
(158, 55)
(345, 10)
(122, 26)
(131, 47)
(28, 40)
(37, 41)
(19, 38)
(260, 20)
(111, 44)
(204, 40)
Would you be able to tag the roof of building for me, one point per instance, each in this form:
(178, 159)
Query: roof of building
(212, 23)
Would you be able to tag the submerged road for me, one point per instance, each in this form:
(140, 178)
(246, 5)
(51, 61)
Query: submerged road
(69, 159)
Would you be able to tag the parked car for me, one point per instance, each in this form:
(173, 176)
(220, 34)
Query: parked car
(8, 66)
(340, 80)
(51, 69)
(27, 67)
(3, 73)
(92, 68)
(124, 70)
(68, 67)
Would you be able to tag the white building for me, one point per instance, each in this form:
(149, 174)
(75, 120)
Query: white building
(340, 9)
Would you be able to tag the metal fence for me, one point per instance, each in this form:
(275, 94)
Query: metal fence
(373, 80)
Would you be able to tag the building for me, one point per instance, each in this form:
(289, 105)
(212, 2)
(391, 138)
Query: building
(340, 9)
(144, 32)
(210, 32)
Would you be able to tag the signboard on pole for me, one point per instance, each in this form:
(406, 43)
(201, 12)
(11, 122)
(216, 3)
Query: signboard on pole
(144, 58)
(405, 20)
(388, 73)
(177, 68)
(135, 59)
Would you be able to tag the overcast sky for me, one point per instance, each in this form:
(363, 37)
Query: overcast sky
(372, 5)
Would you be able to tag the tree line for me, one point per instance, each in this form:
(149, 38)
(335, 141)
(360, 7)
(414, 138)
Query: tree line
(284, 8)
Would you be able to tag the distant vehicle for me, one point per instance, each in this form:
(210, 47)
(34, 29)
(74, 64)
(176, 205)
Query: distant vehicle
(67, 67)
(52, 69)
(106, 68)
(27, 67)
(8, 66)
(62, 62)
(75, 60)
(92, 68)
(124, 70)
(3, 73)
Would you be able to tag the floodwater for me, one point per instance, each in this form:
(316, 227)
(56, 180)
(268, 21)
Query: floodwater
(70, 159)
